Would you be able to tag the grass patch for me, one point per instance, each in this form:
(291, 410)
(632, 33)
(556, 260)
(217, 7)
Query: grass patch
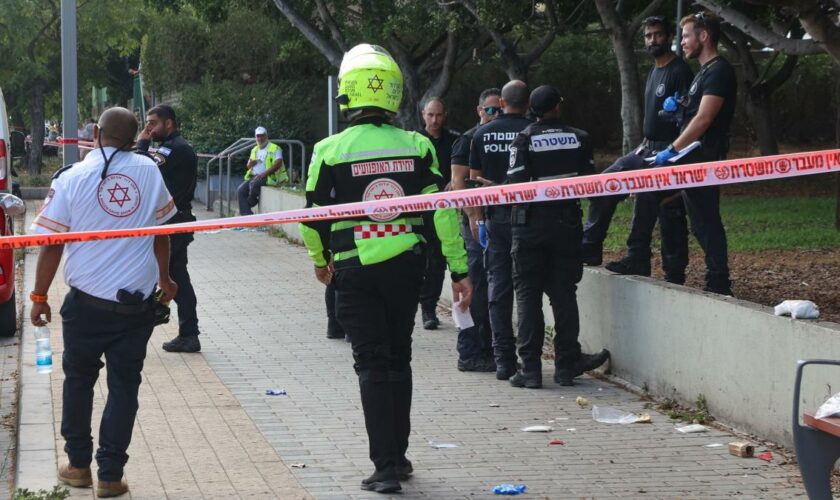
(754, 224)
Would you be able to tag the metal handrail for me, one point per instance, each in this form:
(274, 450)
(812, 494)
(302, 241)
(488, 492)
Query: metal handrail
(243, 144)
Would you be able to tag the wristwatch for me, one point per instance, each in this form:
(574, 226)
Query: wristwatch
(456, 277)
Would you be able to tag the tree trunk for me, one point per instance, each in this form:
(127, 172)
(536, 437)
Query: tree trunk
(36, 152)
(760, 108)
(631, 91)
(408, 116)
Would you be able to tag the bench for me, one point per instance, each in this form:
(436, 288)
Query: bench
(817, 442)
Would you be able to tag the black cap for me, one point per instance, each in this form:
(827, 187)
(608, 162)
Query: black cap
(544, 98)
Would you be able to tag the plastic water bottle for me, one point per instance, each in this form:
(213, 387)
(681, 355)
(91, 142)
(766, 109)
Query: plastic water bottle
(43, 350)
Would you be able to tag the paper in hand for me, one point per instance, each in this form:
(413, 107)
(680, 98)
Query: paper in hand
(461, 317)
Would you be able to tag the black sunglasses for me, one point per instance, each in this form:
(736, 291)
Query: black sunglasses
(491, 110)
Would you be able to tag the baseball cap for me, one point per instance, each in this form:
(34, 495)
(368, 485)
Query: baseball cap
(544, 98)
(260, 131)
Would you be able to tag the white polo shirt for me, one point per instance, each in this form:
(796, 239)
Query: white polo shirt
(132, 195)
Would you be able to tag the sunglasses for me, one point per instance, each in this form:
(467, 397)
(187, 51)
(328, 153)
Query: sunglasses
(491, 110)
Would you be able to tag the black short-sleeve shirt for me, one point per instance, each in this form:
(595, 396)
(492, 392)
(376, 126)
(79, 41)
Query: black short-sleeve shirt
(490, 149)
(716, 78)
(443, 151)
(461, 148)
(662, 83)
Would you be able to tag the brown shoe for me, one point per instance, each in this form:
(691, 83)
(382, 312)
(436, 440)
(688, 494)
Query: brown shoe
(78, 477)
(105, 489)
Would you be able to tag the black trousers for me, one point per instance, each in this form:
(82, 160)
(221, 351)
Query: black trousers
(376, 305)
(547, 259)
(476, 341)
(329, 300)
(434, 275)
(500, 285)
(647, 209)
(186, 300)
(669, 208)
(703, 207)
(89, 333)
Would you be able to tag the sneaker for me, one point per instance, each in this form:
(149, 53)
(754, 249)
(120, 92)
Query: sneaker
(585, 363)
(105, 489)
(628, 266)
(381, 482)
(430, 320)
(476, 365)
(529, 380)
(78, 477)
(183, 343)
(404, 469)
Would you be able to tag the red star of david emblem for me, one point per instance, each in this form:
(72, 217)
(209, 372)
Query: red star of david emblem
(383, 194)
(375, 83)
(119, 194)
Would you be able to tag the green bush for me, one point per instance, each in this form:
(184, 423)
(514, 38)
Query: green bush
(57, 493)
(213, 114)
(173, 52)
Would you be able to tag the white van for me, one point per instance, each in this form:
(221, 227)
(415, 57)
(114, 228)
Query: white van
(10, 206)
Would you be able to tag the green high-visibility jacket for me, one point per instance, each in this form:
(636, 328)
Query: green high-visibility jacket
(274, 152)
(368, 161)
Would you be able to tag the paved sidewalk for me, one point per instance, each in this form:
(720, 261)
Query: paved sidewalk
(206, 429)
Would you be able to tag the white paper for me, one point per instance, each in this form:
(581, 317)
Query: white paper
(441, 446)
(538, 428)
(691, 429)
(462, 318)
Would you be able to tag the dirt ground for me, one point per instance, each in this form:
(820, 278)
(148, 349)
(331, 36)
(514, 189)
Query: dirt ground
(771, 276)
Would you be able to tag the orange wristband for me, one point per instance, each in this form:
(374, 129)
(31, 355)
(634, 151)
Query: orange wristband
(38, 299)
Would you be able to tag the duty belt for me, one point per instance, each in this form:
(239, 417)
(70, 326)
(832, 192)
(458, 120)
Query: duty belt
(108, 305)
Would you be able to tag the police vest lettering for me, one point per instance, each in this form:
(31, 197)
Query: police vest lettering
(554, 141)
(382, 167)
(502, 141)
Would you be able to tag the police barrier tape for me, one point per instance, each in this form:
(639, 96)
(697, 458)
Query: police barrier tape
(637, 181)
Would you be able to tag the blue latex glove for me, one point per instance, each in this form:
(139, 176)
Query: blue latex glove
(666, 154)
(672, 103)
(509, 489)
(482, 234)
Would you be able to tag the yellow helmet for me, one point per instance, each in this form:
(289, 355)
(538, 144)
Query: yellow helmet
(369, 78)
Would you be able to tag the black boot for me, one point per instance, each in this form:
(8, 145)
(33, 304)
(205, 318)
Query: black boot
(382, 482)
(629, 266)
(404, 469)
(586, 362)
(531, 380)
(430, 320)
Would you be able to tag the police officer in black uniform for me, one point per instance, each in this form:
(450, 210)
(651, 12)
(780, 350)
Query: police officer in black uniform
(475, 344)
(489, 161)
(708, 110)
(546, 243)
(670, 75)
(179, 165)
(434, 117)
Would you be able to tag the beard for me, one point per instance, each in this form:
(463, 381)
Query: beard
(694, 53)
(656, 50)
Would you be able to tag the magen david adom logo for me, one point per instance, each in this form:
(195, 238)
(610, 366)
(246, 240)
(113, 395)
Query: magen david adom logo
(383, 189)
(118, 195)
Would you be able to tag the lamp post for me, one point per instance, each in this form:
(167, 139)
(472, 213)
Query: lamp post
(69, 82)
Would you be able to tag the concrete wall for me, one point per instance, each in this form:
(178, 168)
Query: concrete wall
(275, 199)
(679, 342)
